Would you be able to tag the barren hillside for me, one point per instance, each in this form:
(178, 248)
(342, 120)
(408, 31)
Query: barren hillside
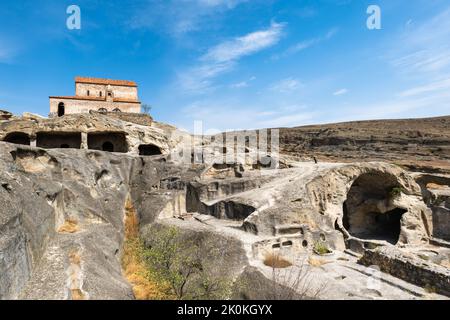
(411, 142)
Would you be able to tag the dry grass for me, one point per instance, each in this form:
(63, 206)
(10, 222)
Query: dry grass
(316, 262)
(137, 273)
(434, 186)
(75, 258)
(445, 263)
(131, 220)
(69, 226)
(274, 260)
(77, 294)
(133, 266)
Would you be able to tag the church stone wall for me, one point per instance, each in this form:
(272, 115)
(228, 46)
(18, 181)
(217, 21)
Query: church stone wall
(72, 106)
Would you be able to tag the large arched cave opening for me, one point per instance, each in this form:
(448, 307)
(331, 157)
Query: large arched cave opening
(369, 212)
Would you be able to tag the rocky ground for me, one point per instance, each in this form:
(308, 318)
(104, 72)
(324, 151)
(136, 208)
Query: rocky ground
(369, 221)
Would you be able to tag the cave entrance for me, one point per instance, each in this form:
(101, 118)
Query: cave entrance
(369, 213)
(64, 140)
(108, 146)
(18, 138)
(149, 150)
(108, 141)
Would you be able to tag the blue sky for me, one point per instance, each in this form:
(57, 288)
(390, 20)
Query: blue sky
(235, 64)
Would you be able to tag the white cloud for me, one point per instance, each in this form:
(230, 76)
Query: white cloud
(216, 3)
(198, 79)
(303, 45)
(434, 86)
(224, 57)
(424, 49)
(178, 17)
(340, 92)
(245, 45)
(8, 50)
(227, 114)
(426, 106)
(242, 84)
(286, 85)
(290, 120)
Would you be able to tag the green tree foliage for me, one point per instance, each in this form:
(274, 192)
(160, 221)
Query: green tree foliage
(187, 264)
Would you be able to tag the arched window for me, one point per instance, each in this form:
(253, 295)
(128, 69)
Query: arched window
(117, 110)
(61, 109)
(102, 110)
(101, 93)
(88, 92)
(108, 146)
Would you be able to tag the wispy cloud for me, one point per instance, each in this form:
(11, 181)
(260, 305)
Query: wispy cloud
(424, 106)
(286, 85)
(303, 45)
(8, 50)
(428, 88)
(424, 49)
(340, 92)
(242, 84)
(224, 115)
(223, 57)
(178, 17)
(243, 46)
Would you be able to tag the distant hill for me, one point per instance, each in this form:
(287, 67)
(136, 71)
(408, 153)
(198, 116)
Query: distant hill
(416, 143)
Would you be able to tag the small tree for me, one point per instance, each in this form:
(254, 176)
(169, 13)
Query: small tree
(185, 264)
(146, 108)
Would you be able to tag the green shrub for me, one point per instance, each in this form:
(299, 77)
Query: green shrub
(396, 192)
(321, 248)
(188, 264)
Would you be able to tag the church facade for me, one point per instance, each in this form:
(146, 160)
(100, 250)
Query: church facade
(96, 94)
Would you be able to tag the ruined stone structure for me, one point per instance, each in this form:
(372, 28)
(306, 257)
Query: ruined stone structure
(334, 220)
(95, 94)
(95, 131)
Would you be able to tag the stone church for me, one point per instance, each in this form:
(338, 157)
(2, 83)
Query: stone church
(103, 95)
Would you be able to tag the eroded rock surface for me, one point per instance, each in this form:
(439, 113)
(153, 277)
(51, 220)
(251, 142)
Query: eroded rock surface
(62, 223)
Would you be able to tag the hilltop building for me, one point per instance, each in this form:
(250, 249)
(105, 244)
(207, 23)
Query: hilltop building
(103, 95)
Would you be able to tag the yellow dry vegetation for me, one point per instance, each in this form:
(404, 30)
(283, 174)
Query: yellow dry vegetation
(317, 262)
(435, 186)
(274, 260)
(77, 294)
(75, 258)
(69, 226)
(133, 266)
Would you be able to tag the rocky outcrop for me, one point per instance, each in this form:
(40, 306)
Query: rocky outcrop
(62, 224)
(431, 276)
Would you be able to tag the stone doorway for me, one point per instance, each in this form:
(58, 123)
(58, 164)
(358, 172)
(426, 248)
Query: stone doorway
(61, 109)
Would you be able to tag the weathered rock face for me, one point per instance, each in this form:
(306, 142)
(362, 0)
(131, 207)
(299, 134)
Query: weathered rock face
(63, 210)
(436, 193)
(5, 115)
(61, 228)
(425, 274)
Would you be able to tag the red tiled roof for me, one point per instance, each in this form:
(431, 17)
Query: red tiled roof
(105, 81)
